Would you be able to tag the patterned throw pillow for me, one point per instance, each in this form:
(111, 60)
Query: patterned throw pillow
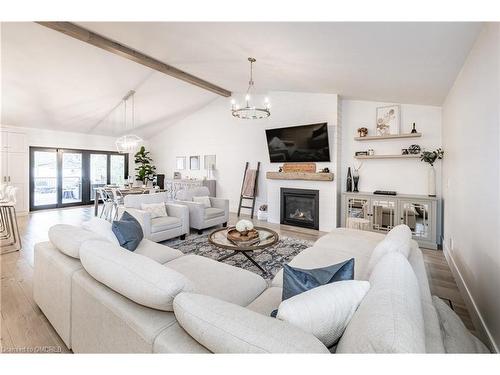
(156, 209)
(203, 200)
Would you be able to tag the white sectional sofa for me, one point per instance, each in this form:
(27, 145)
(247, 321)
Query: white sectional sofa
(99, 303)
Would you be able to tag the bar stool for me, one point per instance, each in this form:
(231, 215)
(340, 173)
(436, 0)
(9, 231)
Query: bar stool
(9, 230)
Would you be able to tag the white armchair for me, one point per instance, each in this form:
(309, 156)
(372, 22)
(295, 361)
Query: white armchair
(201, 217)
(176, 224)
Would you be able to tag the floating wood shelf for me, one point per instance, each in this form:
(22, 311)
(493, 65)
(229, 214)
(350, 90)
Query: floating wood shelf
(387, 156)
(393, 136)
(299, 176)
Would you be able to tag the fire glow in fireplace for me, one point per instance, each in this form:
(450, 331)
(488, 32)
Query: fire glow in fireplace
(300, 207)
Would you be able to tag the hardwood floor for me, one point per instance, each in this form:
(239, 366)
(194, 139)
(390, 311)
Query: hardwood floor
(25, 329)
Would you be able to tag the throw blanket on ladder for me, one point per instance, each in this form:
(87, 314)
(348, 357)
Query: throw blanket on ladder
(249, 183)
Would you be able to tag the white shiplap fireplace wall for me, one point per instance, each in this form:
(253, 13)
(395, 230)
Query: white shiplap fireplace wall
(212, 130)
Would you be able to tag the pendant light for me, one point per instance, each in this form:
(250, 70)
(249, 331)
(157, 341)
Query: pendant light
(249, 112)
(128, 143)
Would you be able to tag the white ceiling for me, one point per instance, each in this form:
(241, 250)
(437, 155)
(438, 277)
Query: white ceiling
(50, 80)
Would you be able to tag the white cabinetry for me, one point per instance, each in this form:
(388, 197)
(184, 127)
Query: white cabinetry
(381, 213)
(14, 165)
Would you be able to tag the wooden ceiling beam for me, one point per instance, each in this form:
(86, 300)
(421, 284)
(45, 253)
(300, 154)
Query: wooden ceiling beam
(109, 45)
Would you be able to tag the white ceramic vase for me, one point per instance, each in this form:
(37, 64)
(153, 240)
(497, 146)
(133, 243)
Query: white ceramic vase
(431, 181)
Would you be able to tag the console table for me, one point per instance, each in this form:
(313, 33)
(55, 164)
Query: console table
(380, 213)
(172, 186)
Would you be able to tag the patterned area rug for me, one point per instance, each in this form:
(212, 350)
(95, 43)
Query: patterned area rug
(271, 259)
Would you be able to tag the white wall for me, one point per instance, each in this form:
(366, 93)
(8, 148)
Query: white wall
(406, 176)
(471, 179)
(213, 130)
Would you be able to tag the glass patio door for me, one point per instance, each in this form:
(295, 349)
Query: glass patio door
(64, 177)
(116, 167)
(72, 173)
(98, 172)
(44, 179)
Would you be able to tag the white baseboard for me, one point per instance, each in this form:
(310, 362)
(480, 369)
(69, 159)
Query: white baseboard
(476, 316)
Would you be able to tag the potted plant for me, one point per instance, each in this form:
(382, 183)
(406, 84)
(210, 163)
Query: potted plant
(431, 157)
(145, 170)
(262, 213)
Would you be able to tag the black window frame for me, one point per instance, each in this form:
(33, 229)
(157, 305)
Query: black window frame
(86, 194)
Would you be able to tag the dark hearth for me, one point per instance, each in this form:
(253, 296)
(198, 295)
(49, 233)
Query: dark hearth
(300, 207)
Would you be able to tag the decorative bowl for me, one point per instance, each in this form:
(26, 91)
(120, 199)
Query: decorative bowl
(234, 235)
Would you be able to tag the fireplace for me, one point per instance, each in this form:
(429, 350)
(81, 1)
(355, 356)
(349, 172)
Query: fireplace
(300, 207)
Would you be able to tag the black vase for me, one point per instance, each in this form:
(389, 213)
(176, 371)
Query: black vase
(355, 180)
(413, 130)
(348, 187)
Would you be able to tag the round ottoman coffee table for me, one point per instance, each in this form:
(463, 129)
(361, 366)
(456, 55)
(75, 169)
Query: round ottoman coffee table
(267, 238)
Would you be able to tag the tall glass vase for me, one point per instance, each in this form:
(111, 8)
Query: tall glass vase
(431, 181)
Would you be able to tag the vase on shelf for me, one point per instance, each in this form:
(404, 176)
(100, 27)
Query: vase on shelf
(348, 187)
(355, 181)
(431, 181)
(413, 130)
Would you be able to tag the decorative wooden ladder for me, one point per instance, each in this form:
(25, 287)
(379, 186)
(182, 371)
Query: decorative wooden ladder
(253, 197)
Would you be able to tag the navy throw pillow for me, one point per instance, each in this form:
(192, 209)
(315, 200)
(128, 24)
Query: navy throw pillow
(128, 231)
(297, 280)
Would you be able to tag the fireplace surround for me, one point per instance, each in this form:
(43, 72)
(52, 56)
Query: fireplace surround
(299, 207)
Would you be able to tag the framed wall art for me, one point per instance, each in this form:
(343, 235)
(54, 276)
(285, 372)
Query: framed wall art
(194, 163)
(180, 163)
(387, 120)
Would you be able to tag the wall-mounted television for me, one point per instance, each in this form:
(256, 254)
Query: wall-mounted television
(305, 143)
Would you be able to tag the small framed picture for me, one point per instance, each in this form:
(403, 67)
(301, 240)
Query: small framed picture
(180, 163)
(387, 120)
(209, 162)
(194, 163)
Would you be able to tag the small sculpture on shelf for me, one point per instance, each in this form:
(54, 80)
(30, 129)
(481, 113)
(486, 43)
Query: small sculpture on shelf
(325, 170)
(414, 149)
(413, 130)
(355, 177)
(363, 132)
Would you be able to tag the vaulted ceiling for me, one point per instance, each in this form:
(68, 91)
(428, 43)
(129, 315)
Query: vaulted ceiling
(50, 80)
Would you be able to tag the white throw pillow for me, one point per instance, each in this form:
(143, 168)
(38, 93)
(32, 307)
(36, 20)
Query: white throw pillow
(397, 240)
(203, 200)
(324, 311)
(155, 209)
(101, 227)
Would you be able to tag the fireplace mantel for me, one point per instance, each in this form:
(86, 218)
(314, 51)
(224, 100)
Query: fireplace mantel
(299, 176)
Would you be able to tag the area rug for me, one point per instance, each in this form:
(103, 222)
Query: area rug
(271, 259)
